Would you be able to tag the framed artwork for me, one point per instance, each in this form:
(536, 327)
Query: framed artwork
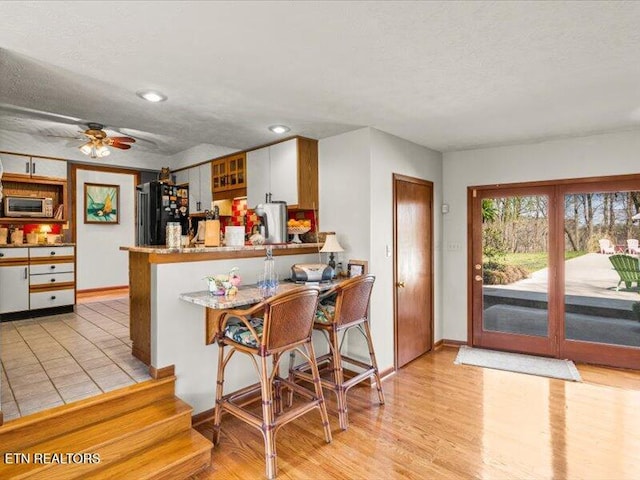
(101, 203)
(357, 267)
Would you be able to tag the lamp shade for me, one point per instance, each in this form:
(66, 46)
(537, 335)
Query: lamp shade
(331, 245)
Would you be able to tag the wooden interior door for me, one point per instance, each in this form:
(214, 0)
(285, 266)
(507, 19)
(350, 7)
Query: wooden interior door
(413, 268)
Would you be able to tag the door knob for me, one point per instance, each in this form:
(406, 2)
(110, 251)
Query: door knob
(400, 284)
(478, 278)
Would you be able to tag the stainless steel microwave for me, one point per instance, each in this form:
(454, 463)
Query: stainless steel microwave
(37, 207)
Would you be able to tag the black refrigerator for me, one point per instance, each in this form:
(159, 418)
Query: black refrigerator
(158, 204)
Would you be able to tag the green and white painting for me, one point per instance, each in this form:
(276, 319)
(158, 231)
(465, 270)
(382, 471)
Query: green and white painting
(101, 203)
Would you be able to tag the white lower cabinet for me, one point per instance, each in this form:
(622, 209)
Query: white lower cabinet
(52, 298)
(32, 278)
(14, 288)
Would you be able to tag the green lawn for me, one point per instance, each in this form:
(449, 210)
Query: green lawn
(534, 261)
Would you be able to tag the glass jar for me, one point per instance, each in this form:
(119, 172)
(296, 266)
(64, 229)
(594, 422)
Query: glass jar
(174, 234)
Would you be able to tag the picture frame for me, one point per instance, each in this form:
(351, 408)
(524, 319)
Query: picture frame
(101, 203)
(357, 267)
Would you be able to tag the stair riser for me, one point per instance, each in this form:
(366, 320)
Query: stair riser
(20, 434)
(189, 467)
(117, 449)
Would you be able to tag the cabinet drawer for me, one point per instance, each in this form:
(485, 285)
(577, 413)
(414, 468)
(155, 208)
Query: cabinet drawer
(43, 252)
(53, 298)
(51, 279)
(6, 253)
(51, 268)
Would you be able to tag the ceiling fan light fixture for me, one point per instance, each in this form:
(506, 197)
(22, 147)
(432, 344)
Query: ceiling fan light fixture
(102, 151)
(279, 129)
(86, 148)
(151, 96)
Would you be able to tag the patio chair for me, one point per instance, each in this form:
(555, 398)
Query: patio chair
(606, 246)
(632, 246)
(628, 268)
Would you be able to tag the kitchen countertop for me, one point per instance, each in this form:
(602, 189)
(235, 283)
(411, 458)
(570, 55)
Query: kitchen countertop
(162, 250)
(35, 245)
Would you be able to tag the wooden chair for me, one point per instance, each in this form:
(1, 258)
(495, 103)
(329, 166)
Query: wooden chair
(606, 246)
(628, 269)
(350, 310)
(287, 324)
(632, 246)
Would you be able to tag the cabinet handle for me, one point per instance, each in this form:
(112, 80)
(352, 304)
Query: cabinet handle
(53, 297)
(53, 253)
(1, 254)
(26, 275)
(33, 168)
(53, 280)
(53, 267)
(26, 169)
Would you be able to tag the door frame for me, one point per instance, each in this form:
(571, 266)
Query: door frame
(405, 178)
(581, 351)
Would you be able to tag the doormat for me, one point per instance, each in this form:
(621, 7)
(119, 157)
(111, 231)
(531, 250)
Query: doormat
(517, 362)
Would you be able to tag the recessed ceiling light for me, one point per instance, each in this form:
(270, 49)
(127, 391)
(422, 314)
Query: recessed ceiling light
(151, 96)
(279, 128)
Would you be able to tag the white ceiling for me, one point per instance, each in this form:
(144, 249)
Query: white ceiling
(447, 75)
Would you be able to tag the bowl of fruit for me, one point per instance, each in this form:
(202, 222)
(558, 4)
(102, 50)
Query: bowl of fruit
(297, 228)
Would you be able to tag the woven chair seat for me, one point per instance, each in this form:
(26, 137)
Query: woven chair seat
(240, 333)
(326, 310)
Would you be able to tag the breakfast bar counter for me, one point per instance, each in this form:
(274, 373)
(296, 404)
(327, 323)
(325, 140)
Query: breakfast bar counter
(167, 331)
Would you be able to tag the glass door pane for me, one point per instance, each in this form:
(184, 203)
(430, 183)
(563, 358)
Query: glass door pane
(515, 265)
(602, 278)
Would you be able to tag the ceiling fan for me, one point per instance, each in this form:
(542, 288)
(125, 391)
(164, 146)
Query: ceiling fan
(99, 141)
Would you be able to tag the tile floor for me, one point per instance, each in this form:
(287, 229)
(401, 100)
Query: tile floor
(49, 361)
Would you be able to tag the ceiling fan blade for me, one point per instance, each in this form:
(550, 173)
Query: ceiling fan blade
(38, 114)
(123, 139)
(65, 136)
(121, 146)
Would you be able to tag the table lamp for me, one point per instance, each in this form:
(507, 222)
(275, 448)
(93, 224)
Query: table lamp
(331, 246)
(45, 230)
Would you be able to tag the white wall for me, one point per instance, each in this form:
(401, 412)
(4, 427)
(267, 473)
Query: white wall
(595, 155)
(99, 261)
(197, 154)
(356, 200)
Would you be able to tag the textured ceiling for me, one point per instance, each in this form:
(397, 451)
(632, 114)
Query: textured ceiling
(447, 75)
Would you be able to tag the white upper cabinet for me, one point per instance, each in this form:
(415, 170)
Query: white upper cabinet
(205, 186)
(33, 166)
(199, 178)
(258, 176)
(273, 170)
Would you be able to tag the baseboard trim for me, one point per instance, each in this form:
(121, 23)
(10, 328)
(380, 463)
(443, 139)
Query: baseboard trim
(164, 372)
(94, 291)
(446, 343)
(201, 417)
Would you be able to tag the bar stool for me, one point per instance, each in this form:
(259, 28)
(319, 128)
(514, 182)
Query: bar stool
(286, 325)
(343, 307)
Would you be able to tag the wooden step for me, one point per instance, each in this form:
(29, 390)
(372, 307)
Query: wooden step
(176, 458)
(113, 439)
(20, 434)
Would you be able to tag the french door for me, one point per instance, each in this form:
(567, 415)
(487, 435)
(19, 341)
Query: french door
(539, 278)
(509, 312)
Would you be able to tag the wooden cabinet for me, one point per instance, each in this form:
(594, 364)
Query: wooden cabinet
(228, 176)
(37, 167)
(22, 185)
(14, 280)
(288, 171)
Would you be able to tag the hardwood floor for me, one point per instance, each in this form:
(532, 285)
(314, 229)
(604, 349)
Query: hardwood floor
(446, 421)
